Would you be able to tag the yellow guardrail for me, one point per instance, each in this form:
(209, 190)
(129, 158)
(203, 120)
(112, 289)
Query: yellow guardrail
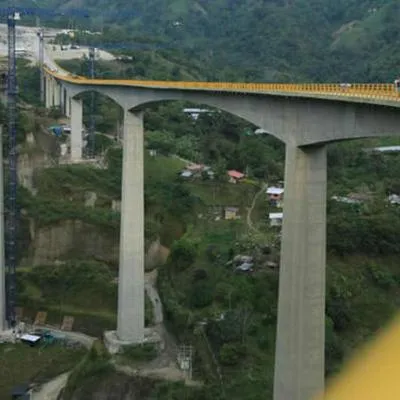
(382, 91)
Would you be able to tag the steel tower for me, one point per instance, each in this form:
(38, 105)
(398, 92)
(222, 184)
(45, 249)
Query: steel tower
(12, 220)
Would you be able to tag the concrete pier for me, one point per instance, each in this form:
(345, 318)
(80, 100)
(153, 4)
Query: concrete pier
(76, 129)
(57, 94)
(130, 324)
(52, 92)
(67, 105)
(300, 339)
(62, 100)
(47, 94)
(3, 325)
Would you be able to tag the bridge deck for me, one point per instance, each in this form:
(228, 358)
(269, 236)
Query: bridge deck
(377, 92)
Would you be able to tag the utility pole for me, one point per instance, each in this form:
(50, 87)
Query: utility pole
(92, 104)
(41, 62)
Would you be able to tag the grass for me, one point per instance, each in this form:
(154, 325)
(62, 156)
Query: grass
(223, 194)
(83, 290)
(137, 353)
(21, 363)
(161, 168)
(90, 322)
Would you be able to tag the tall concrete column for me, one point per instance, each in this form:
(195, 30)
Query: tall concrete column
(57, 94)
(67, 105)
(2, 258)
(50, 83)
(76, 129)
(47, 94)
(62, 100)
(52, 92)
(130, 324)
(300, 339)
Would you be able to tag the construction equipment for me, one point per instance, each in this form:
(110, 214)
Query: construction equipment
(12, 218)
(13, 14)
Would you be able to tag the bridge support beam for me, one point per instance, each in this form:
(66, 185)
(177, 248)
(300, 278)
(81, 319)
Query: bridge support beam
(300, 339)
(130, 324)
(76, 129)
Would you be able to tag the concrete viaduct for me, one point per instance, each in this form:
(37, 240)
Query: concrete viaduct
(306, 118)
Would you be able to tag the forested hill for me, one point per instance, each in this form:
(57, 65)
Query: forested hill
(274, 40)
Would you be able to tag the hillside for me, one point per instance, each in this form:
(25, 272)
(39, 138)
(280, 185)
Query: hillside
(269, 40)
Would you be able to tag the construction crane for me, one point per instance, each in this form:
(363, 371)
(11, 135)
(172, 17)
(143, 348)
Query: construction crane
(13, 14)
(12, 220)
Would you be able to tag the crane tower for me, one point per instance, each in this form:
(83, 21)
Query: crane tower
(12, 218)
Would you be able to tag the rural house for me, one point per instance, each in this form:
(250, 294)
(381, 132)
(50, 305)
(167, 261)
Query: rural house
(275, 196)
(235, 176)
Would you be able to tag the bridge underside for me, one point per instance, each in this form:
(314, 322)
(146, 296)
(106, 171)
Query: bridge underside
(300, 121)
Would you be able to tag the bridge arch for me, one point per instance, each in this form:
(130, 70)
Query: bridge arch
(244, 107)
(297, 121)
(76, 91)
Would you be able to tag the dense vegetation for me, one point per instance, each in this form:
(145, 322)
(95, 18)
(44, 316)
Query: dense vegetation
(21, 363)
(270, 40)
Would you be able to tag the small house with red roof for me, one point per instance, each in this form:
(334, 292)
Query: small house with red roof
(235, 176)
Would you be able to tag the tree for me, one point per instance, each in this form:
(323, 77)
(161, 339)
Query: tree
(183, 253)
(231, 353)
(162, 141)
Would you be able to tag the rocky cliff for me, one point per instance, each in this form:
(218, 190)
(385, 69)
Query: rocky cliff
(75, 239)
(71, 238)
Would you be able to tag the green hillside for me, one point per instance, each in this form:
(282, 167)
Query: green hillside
(270, 40)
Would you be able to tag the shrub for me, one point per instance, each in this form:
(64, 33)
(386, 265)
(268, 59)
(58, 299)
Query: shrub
(231, 353)
(141, 352)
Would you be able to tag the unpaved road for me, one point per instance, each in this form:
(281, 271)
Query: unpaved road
(149, 285)
(51, 389)
(251, 208)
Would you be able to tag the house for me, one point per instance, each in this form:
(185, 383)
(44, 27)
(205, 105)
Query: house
(346, 200)
(235, 176)
(195, 112)
(245, 267)
(152, 152)
(386, 149)
(353, 198)
(231, 212)
(394, 199)
(195, 169)
(275, 219)
(275, 195)
(186, 174)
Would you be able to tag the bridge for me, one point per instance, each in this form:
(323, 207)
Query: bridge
(306, 117)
